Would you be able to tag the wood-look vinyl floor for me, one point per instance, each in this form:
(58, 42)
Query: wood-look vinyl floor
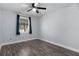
(35, 48)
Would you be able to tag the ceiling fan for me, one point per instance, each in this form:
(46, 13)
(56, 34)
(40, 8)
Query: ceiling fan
(35, 8)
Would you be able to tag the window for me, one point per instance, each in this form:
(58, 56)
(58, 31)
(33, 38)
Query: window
(23, 24)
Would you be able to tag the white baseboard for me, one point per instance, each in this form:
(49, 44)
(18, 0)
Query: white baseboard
(16, 42)
(64, 46)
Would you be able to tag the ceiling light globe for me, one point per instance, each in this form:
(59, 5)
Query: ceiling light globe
(34, 9)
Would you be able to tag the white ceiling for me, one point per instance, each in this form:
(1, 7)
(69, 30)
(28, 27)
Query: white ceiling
(23, 7)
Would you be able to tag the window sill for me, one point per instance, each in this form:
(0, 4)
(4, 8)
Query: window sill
(24, 32)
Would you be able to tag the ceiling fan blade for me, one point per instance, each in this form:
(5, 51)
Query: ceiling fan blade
(41, 8)
(29, 10)
(33, 4)
(37, 11)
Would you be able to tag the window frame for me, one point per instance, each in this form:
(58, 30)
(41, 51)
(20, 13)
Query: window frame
(27, 22)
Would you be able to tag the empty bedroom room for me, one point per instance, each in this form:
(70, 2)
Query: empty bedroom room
(39, 29)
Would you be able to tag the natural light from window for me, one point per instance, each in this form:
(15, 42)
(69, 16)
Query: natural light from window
(24, 24)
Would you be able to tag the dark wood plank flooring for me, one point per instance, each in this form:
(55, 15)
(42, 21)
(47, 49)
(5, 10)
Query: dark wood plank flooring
(35, 48)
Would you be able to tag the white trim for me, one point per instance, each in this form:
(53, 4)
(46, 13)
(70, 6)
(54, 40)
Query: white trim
(16, 42)
(64, 46)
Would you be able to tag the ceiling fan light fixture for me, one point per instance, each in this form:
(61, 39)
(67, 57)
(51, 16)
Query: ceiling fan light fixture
(34, 9)
(36, 4)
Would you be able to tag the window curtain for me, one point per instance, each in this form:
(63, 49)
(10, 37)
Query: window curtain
(30, 26)
(17, 25)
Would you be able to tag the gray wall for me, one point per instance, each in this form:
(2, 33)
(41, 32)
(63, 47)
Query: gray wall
(8, 27)
(62, 26)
